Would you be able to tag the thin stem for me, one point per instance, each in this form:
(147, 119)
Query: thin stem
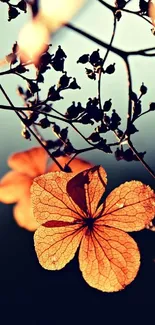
(38, 133)
(104, 59)
(137, 13)
(30, 130)
(143, 113)
(99, 87)
(142, 52)
(129, 116)
(74, 127)
(107, 5)
(133, 120)
(78, 152)
(13, 71)
(24, 78)
(119, 52)
(147, 167)
(111, 41)
(33, 109)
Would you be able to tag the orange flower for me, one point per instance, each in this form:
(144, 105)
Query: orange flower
(67, 208)
(15, 185)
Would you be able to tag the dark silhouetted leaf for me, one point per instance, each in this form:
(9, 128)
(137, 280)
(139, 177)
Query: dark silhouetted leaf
(56, 128)
(143, 89)
(94, 57)
(58, 64)
(21, 69)
(152, 106)
(143, 5)
(83, 59)
(71, 111)
(102, 128)
(44, 123)
(20, 91)
(118, 14)
(33, 87)
(74, 85)
(91, 74)
(133, 97)
(11, 58)
(107, 105)
(140, 154)
(85, 119)
(53, 94)
(120, 3)
(102, 145)
(94, 137)
(12, 13)
(110, 69)
(137, 108)
(106, 119)
(26, 134)
(58, 153)
(128, 155)
(68, 149)
(22, 5)
(60, 54)
(119, 154)
(115, 120)
(64, 81)
(64, 134)
(131, 129)
(40, 77)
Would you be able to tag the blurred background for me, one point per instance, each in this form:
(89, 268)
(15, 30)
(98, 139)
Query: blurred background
(47, 296)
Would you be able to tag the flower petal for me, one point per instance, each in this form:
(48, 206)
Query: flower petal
(13, 186)
(23, 214)
(87, 187)
(76, 164)
(31, 162)
(129, 207)
(50, 199)
(56, 246)
(109, 259)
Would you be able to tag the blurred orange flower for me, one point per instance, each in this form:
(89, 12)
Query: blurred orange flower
(67, 207)
(51, 16)
(15, 185)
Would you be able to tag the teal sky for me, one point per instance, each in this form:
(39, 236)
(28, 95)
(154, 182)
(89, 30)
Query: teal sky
(132, 33)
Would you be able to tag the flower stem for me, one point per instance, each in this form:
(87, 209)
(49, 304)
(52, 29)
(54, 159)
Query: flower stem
(147, 167)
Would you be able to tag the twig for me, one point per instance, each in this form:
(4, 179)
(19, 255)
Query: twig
(147, 167)
(30, 130)
(123, 54)
(129, 116)
(137, 13)
(104, 59)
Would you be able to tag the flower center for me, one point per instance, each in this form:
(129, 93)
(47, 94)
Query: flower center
(89, 222)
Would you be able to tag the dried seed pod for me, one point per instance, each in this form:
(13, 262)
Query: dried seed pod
(107, 105)
(26, 134)
(44, 123)
(63, 81)
(83, 59)
(143, 89)
(22, 5)
(94, 57)
(74, 85)
(60, 54)
(12, 13)
(110, 69)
